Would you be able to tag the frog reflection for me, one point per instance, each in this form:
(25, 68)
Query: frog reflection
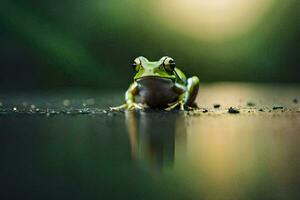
(155, 137)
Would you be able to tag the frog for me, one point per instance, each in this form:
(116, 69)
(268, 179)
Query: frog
(160, 84)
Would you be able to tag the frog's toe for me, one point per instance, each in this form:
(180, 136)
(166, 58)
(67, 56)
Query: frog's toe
(174, 105)
(130, 106)
(117, 108)
(181, 106)
(137, 106)
(171, 106)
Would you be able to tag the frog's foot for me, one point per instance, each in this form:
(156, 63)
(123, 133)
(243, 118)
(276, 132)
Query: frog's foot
(137, 106)
(117, 108)
(174, 105)
(130, 106)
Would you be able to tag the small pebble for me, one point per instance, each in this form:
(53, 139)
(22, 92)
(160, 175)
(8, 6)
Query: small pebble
(295, 100)
(251, 103)
(14, 109)
(32, 106)
(217, 105)
(261, 110)
(277, 107)
(233, 110)
(205, 111)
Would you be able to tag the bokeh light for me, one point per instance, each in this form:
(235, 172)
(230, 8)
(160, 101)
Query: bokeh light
(95, 41)
(213, 19)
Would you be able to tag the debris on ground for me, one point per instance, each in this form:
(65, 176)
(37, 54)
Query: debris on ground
(233, 110)
(277, 107)
(217, 105)
(205, 110)
(249, 103)
(261, 110)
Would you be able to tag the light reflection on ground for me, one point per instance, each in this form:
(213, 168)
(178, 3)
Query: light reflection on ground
(156, 154)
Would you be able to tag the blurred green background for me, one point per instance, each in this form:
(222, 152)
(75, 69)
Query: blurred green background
(91, 43)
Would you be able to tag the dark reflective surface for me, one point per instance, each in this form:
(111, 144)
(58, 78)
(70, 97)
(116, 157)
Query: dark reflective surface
(154, 154)
(84, 156)
(154, 136)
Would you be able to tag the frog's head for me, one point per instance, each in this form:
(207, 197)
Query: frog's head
(162, 69)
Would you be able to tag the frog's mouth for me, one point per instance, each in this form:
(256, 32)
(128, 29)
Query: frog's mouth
(155, 79)
(154, 82)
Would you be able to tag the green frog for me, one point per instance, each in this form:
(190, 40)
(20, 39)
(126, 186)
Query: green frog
(160, 84)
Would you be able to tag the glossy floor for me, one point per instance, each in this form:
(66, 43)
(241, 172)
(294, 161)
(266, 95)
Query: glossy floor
(157, 155)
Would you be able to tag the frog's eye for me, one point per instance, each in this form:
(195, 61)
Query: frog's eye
(169, 64)
(136, 63)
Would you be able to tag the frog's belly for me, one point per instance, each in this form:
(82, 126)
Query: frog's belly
(156, 92)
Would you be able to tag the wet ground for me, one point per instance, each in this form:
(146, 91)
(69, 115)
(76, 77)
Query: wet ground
(242, 143)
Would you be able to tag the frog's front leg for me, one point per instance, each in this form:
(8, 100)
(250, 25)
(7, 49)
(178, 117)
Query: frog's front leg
(181, 90)
(187, 93)
(192, 91)
(130, 94)
(130, 97)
